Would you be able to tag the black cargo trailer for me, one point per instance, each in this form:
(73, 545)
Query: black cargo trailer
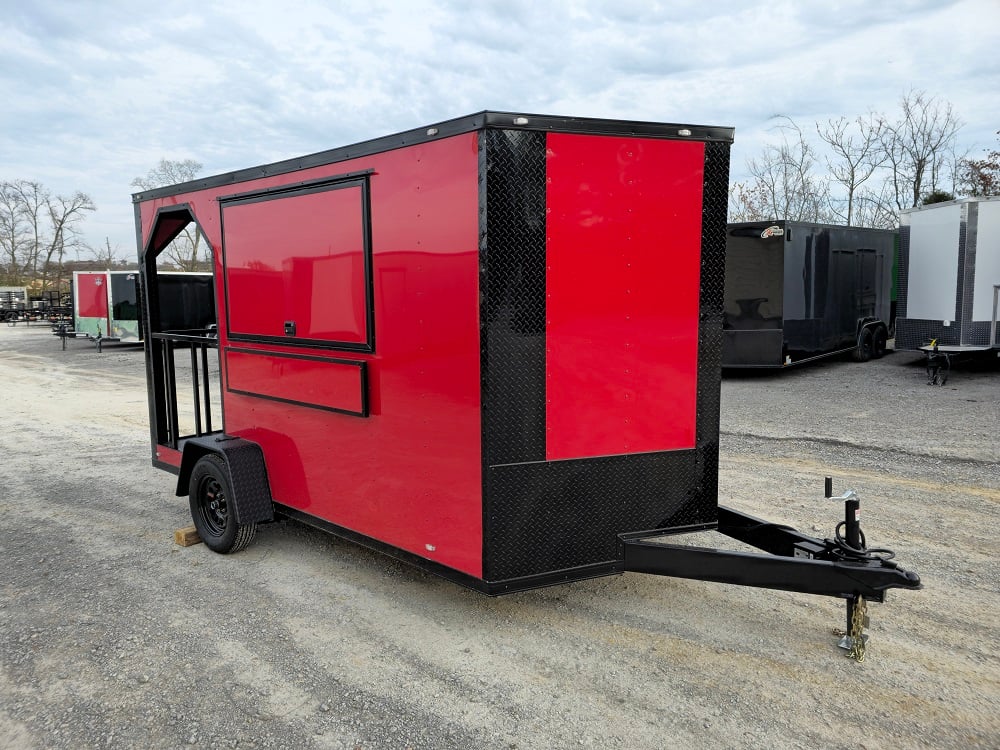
(796, 291)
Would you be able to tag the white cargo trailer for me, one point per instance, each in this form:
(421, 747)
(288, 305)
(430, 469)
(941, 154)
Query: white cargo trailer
(949, 277)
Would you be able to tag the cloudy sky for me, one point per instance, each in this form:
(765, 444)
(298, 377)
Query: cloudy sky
(93, 93)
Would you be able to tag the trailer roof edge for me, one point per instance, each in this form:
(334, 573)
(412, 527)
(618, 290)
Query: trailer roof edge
(456, 126)
(955, 202)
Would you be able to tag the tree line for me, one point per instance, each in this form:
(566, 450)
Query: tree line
(38, 231)
(863, 171)
(858, 171)
(41, 232)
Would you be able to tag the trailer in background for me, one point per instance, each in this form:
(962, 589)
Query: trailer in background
(13, 302)
(950, 280)
(106, 304)
(797, 291)
(475, 346)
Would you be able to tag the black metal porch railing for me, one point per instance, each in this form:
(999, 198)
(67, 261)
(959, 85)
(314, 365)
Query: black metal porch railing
(170, 344)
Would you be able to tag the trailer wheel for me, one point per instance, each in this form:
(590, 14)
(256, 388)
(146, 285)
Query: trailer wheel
(879, 339)
(863, 351)
(212, 509)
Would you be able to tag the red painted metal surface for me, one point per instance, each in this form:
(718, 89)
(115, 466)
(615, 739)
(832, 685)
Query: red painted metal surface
(92, 295)
(307, 381)
(168, 456)
(623, 265)
(297, 258)
(409, 475)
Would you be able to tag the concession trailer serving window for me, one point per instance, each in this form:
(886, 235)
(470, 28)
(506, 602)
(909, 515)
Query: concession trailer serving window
(298, 265)
(489, 347)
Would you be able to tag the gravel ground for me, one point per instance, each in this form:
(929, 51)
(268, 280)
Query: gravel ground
(112, 636)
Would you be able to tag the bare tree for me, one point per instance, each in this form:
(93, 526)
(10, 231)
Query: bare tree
(981, 176)
(918, 145)
(37, 229)
(857, 153)
(875, 206)
(64, 216)
(748, 202)
(111, 256)
(785, 173)
(29, 199)
(183, 250)
(13, 233)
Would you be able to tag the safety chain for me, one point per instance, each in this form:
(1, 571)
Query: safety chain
(857, 633)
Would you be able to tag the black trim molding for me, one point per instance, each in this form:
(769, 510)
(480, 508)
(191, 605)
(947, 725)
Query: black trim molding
(446, 129)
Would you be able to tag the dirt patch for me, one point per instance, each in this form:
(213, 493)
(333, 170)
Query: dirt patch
(112, 636)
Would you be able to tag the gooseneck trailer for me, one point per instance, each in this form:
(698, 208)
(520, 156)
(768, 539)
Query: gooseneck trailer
(798, 291)
(489, 347)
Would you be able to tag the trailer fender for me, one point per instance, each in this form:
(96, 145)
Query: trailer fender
(244, 462)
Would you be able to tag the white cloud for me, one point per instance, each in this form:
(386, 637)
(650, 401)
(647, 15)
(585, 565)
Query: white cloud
(96, 93)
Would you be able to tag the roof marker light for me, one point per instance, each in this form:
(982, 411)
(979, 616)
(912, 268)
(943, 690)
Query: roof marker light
(683, 131)
(432, 131)
(520, 120)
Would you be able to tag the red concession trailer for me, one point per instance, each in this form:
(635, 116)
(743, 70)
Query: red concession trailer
(490, 347)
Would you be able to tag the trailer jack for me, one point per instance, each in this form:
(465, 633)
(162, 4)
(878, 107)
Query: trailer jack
(842, 567)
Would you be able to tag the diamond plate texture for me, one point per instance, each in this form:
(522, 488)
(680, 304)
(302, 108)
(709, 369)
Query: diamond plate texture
(512, 284)
(566, 514)
(247, 474)
(540, 516)
(903, 271)
(966, 278)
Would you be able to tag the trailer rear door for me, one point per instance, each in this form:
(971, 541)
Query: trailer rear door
(92, 295)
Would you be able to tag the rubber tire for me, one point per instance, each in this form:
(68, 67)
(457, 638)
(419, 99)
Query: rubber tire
(879, 339)
(863, 351)
(216, 525)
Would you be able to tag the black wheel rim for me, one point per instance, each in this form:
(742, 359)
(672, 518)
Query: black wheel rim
(213, 504)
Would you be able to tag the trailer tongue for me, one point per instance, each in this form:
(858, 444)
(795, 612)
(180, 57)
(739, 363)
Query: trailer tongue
(489, 347)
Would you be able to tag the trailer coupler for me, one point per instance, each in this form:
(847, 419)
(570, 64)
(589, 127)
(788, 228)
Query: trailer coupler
(841, 567)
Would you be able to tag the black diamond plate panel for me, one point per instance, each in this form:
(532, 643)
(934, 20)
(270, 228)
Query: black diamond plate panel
(512, 283)
(912, 333)
(565, 514)
(967, 241)
(545, 516)
(903, 272)
(715, 203)
(247, 473)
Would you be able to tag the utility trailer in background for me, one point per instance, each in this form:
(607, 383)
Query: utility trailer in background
(950, 280)
(489, 347)
(18, 304)
(13, 302)
(798, 291)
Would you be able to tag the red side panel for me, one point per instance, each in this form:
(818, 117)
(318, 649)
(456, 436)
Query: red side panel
(92, 295)
(623, 268)
(409, 474)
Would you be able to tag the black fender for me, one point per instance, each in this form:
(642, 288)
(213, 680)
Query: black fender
(247, 471)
